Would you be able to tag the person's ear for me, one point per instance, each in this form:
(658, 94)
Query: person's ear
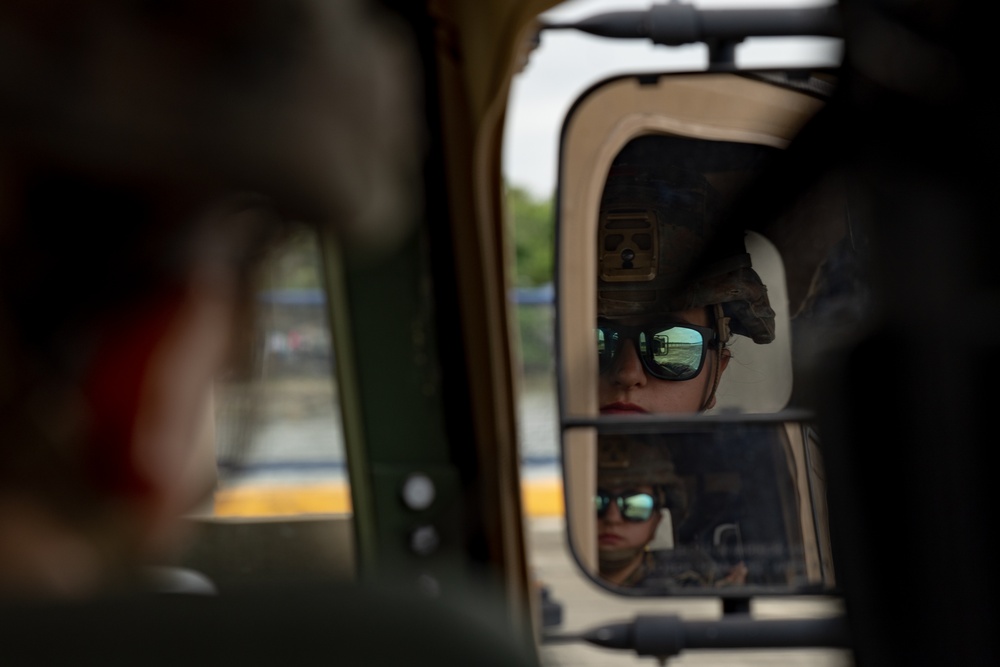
(723, 361)
(725, 354)
(151, 391)
(125, 345)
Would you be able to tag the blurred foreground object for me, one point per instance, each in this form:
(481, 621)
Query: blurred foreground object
(151, 154)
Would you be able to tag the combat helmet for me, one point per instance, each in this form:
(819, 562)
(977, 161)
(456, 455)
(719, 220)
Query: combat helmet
(659, 249)
(632, 460)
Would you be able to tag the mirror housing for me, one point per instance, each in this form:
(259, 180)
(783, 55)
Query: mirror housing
(762, 111)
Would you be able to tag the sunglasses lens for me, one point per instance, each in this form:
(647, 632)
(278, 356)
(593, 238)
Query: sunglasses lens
(637, 507)
(675, 352)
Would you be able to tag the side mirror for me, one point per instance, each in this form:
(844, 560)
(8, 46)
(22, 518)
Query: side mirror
(739, 508)
(688, 467)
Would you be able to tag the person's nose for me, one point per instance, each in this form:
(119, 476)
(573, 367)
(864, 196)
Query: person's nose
(612, 514)
(627, 370)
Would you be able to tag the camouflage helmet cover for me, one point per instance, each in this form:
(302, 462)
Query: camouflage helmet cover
(658, 250)
(625, 461)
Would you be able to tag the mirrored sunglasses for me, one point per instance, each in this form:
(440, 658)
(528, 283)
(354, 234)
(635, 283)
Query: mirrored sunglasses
(668, 350)
(631, 506)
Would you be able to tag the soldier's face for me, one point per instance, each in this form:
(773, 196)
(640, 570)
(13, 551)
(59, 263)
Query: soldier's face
(615, 533)
(625, 387)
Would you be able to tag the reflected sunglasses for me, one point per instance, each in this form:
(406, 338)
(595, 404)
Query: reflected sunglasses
(668, 350)
(631, 506)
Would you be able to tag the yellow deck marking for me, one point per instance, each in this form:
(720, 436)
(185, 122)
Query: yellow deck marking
(542, 498)
(539, 497)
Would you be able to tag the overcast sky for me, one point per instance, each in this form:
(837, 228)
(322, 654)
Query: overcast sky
(567, 62)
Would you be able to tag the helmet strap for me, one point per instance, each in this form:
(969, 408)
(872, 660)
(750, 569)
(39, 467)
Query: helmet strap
(722, 324)
(722, 329)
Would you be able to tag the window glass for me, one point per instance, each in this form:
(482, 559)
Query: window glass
(281, 509)
(279, 439)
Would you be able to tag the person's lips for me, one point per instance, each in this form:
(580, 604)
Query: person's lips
(609, 539)
(621, 408)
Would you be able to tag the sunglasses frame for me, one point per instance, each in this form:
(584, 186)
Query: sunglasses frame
(709, 336)
(619, 499)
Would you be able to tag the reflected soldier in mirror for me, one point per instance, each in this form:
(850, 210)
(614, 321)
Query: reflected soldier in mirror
(671, 293)
(640, 501)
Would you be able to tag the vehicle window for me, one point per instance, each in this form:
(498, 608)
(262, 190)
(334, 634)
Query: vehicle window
(282, 505)
(280, 441)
